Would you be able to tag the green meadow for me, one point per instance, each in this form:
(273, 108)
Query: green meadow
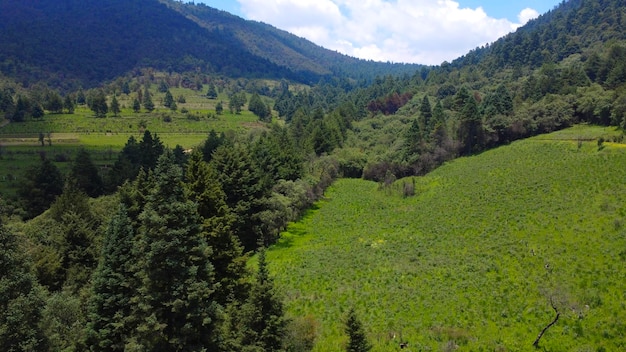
(64, 134)
(479, 259)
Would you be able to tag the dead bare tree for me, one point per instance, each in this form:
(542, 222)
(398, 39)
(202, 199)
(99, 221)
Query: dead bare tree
(556, 318)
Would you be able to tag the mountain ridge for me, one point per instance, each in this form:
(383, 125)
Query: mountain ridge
(84, 43)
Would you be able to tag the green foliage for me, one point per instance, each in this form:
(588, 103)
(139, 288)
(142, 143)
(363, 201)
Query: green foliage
(147, 100)
(133, 157)
(259, 324)
(136, 105)
(85, 174)
(258, 107)
(69, 105)
(76, 242)
(42, 184)
(227, 256)
(236, 101)
(168, 101)
(114, 286)
(241, 182)
(212, 142)
(211, 92)
(21, 299)
(470, 247)
(97, 102)
(175, 312)
(63, 321)
(115, 106)
(357, 340)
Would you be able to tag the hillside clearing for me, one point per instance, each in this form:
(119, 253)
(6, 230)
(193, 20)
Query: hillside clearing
(475, 258)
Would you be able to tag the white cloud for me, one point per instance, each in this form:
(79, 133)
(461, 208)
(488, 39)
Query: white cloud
(526, 15)
(419, 31)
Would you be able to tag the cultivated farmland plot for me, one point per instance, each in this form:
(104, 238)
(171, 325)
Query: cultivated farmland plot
(478, 259)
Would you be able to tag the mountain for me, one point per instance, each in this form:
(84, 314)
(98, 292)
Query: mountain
(573, 27)
(85, 42)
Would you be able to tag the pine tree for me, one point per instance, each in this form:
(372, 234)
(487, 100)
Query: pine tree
(426, 116)
(147, 100)
(150, 149)
(414, 141)
(21, 299)
(470, 128)
(77, 244)
(241, 182)
(136, 105)
(357, 341)
(86, 175)
(168, 100)
(42, 184)
(114, 286)
(126, 88)
(439, 134)
(227, 258)
(260, 324)
(212, 142)
(211, 92)
(115, 106)
(176, 307)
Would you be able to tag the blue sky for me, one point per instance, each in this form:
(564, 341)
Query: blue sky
(418, 31)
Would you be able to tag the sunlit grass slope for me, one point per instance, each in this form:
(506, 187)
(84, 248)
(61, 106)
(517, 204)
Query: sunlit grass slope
(476, 259)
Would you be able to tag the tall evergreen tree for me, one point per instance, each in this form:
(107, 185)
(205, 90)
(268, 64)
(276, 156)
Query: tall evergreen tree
(471, 128)
(357, 341)
(147, 100)
(136, 105)
(259, 324)
(258, 107)
(86, 175)
(212, 142)
(176, 306)
(241, 182)
(22, 109)
(426, 116)
(227, 256)
(211, 92)
(77, 243)
(150, 149)
(42, 184)
(115, 106)
(21, 299)
(114, 286)
(168, 100)
(439, 134)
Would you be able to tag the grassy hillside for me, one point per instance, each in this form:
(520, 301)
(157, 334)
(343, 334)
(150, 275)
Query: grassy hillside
(475, 258)
(64, 134)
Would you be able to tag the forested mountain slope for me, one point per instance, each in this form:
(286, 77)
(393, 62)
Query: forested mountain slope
(87, 42)
(286, 49)
(566, 67)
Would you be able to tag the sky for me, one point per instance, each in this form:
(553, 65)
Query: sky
(412, 31)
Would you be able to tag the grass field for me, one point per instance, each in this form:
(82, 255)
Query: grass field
(64, 134)
(476, 259)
